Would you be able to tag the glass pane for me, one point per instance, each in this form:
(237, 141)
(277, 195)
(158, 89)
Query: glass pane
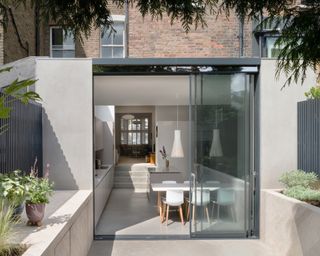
(221, 164)
(106, 37)
(118, 34)
(272, 51)
(138, 138)
(106, 52)
(130, 138)
(117, 52)
(57, 36)
(68, 39)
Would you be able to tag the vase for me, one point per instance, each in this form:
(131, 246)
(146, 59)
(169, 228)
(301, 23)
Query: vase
(35, 213)
(167, 163)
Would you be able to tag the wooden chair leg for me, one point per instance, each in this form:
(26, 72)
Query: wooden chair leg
(167, 215)
(193, 213)
(188, 212)
(207, 213)
(161, 211)
(181, 215)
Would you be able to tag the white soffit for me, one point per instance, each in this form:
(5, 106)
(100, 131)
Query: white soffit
(141, 90)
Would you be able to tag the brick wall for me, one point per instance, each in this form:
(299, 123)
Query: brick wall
(90, 47)
(220, 38)
(25, 25)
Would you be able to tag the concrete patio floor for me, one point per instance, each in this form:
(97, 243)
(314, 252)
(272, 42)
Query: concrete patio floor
(181, 248)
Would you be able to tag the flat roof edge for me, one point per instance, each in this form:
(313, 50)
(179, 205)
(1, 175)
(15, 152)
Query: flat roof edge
(177, 61)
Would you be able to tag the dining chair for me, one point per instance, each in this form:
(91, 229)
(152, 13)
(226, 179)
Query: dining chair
(161, 208)
(175, 199)
(199, 198)
(226, 198)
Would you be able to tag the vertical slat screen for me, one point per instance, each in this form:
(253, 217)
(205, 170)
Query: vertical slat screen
(22, 142)
(309, 135)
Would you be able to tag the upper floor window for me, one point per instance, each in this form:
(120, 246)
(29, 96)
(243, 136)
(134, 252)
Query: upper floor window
(61, 43)
(270, 49)
(113, 42)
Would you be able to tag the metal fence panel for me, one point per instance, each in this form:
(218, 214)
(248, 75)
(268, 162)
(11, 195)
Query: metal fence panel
(309, 135)
(22, 142)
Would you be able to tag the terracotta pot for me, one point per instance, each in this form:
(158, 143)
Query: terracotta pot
(35, 213)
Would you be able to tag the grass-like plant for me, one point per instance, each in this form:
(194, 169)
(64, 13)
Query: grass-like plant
(298, 178)
(303, 193)
(7, 223)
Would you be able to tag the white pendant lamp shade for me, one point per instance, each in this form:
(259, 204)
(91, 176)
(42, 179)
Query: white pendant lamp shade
(128, 117)
(216, 150)
(177, 150)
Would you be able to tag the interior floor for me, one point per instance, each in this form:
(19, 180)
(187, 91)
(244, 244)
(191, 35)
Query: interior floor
(129, 213)
(130, 160)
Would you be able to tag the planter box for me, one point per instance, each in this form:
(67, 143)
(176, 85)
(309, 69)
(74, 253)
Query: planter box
(289, 226)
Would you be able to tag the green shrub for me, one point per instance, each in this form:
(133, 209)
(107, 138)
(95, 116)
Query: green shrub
(7, 223)
(298, 178)
(303, 193)
(313, 93)
(38, 190)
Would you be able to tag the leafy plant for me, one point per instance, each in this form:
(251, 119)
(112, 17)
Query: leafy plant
(38, 189)
(298, 178)
(303, 193)
(13, 187)
(7, 223)
(313, 93)
(16, 91)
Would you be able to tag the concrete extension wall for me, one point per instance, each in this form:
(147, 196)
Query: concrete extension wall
(65, 86)
(289, 226)
(278, 123)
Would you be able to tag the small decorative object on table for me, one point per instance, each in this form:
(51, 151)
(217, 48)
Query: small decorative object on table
(38, 192)
(164, 156)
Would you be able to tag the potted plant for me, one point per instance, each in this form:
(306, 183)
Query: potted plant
(164, 156)
(37, 196)
(12, 189)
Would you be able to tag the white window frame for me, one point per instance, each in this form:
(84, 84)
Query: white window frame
(51, 48)
(116, 18)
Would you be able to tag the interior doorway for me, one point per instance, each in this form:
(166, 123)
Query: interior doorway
(213, 112)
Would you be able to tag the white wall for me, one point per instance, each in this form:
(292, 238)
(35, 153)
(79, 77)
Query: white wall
(107, 116)
(166, 120)
(65, 86)
(278, 123)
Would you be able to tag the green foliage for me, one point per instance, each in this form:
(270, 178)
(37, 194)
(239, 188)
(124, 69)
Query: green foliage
(298, 178)
(13, 187)
(303, 193)
(16, 91)
(313, 93)
(38, 190)
(7, 223)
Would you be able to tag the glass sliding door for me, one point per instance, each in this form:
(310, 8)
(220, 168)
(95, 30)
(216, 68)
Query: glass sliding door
(221, 193)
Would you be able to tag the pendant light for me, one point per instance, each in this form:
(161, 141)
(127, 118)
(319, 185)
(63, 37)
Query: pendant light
(177, 150)
(216, 149)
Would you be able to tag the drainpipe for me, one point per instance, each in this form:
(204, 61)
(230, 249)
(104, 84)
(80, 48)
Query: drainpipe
(126, 6)
(241, 36)
(37, 28)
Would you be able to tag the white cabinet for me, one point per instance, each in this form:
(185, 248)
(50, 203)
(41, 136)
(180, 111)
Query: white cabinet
(103, 184)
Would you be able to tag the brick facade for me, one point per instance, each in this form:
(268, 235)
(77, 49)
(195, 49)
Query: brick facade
(145, 37)
(151, 38)
(24, 29)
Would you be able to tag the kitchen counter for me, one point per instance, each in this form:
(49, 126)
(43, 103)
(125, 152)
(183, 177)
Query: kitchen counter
(99, 174)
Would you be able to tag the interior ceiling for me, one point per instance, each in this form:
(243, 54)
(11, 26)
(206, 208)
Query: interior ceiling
(141, 90)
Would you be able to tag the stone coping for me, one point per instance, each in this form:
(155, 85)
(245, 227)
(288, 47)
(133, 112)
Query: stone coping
(61, 212)
(277, 193)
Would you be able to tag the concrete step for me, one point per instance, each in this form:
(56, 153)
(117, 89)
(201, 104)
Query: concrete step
(131, 179)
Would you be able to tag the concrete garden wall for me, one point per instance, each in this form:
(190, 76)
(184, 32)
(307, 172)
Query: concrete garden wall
(277, 121)
(65, 86)
(288, 225)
